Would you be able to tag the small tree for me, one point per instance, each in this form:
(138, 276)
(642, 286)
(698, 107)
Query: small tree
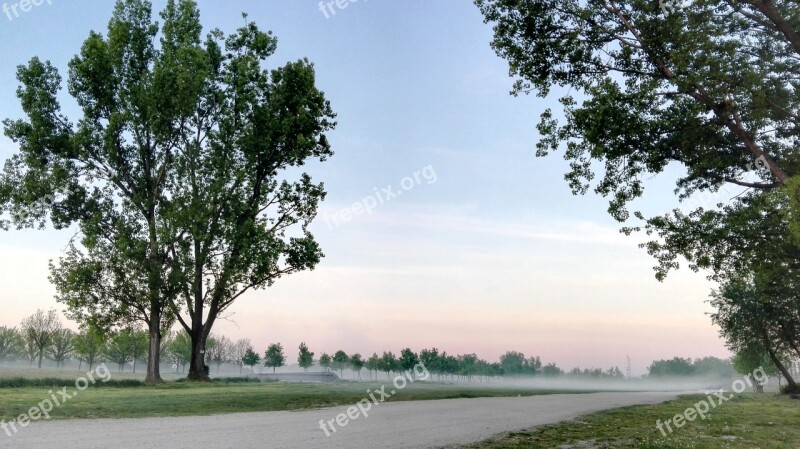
(238, 351)
(218, 350)
(356, 363)
(325, 361)
(38, 330)
(89, 344)
(340, 361)
(430, 359)
(118, 349)
(179, 350)
(373, 364)
(388, 363)
(251, 359)
(274, 357)
(552, 370)
(305, 358)
(61, 346)
(408, 359)
(10, 343)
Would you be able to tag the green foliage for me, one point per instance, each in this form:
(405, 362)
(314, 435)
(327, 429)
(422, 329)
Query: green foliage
(38, 331)
(514, 363)
(305, 358)
(251, 358)
(673, 367)
(356, 363)
(179, 350)
(61, 346)
(89, 345)
(551, 370)
(373, 364)
(408, 359)
(180, 173)
(753, 357)
(325, 361)
(340, 361)
(680, 367)
(711, 88)
(759, 315)
(274, 357)
(388, 363)
(10, 344)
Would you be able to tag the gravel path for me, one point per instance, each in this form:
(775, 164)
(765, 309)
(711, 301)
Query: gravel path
(415, 424)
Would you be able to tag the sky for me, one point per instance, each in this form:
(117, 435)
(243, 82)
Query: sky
(481, 247)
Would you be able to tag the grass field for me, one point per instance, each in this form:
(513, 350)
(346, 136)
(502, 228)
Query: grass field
(183, 399)
(747, 421)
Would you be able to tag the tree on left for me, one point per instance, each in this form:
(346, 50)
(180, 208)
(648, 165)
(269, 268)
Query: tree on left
(173, 173)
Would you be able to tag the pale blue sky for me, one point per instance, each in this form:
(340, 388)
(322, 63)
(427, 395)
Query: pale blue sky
(496, 254)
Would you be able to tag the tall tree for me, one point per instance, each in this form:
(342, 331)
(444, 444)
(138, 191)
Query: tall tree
(305, 358)
(110, 172)
(274, 357)
(243, 208)
(38, 330)
(61, 346)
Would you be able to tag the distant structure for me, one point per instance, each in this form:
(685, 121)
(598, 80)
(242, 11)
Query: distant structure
(628, 368)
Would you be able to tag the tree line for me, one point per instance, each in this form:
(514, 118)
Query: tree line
(43, 336)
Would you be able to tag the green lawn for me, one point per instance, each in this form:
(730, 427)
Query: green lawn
(747, 421)
(181, 399)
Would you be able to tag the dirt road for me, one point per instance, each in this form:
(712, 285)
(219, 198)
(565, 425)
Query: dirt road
(417, 424)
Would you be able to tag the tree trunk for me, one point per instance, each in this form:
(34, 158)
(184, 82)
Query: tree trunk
(197, 365)
(199, 331)
(154, 352)
(41, 354)
(789, 379)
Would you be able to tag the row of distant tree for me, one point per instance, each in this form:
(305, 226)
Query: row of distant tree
(43, 336)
